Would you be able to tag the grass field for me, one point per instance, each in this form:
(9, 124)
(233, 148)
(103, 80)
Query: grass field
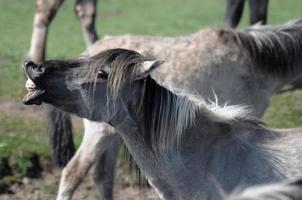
(21, 134)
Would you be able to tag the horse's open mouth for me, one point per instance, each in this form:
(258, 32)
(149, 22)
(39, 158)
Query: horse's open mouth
(34, 93)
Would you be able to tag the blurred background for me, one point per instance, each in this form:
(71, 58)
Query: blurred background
(24, 149)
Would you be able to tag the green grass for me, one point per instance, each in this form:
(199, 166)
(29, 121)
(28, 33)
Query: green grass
(20, 141)
(50, 189)
(18, 124)
(285, 110)
(20, 136)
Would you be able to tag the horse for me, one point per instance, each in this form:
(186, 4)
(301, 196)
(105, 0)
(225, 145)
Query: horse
(259, 60)
(183, 145)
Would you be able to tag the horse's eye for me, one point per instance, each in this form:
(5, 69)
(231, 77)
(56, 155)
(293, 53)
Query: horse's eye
(102, 75)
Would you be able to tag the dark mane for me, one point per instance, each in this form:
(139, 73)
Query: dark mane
(157, 110)
(274, 49)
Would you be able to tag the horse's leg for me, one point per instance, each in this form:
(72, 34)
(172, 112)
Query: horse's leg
(44, 13)
(86, 11)
(103, 173)
(233, 12)
(97, 138)
(258, 11)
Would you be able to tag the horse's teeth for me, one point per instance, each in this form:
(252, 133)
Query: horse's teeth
(30, 85)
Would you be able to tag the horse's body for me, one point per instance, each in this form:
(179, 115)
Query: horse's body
(185, 147)
(207, 62)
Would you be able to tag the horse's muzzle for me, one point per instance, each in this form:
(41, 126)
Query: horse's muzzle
(34, 92)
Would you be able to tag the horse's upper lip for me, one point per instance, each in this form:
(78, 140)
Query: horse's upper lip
(30, 85)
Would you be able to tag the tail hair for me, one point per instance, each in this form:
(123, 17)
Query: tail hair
(60, 135)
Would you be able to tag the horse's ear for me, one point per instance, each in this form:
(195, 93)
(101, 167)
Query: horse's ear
(147, 67)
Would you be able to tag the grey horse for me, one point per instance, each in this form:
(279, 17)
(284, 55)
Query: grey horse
(240, 67)
(85, 10)
(184, 146)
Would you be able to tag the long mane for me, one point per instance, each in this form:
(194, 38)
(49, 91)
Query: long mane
(168, 114)
(275, 50)
(165, 114)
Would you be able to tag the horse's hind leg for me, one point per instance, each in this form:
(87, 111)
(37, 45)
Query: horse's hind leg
(86, 11)
(44, 13)
(103, 173)
(97, 138)
(258, 11)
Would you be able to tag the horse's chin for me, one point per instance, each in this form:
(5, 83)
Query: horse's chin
(34, 95)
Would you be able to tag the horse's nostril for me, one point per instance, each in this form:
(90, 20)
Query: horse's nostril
(37, 68)
(28, 63)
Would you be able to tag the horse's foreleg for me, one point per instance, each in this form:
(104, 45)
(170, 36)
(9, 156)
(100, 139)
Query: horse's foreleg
(233, 12)
(103, 173)
(44, 13)
(258, 11)
(97, 138)
(86, 12)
